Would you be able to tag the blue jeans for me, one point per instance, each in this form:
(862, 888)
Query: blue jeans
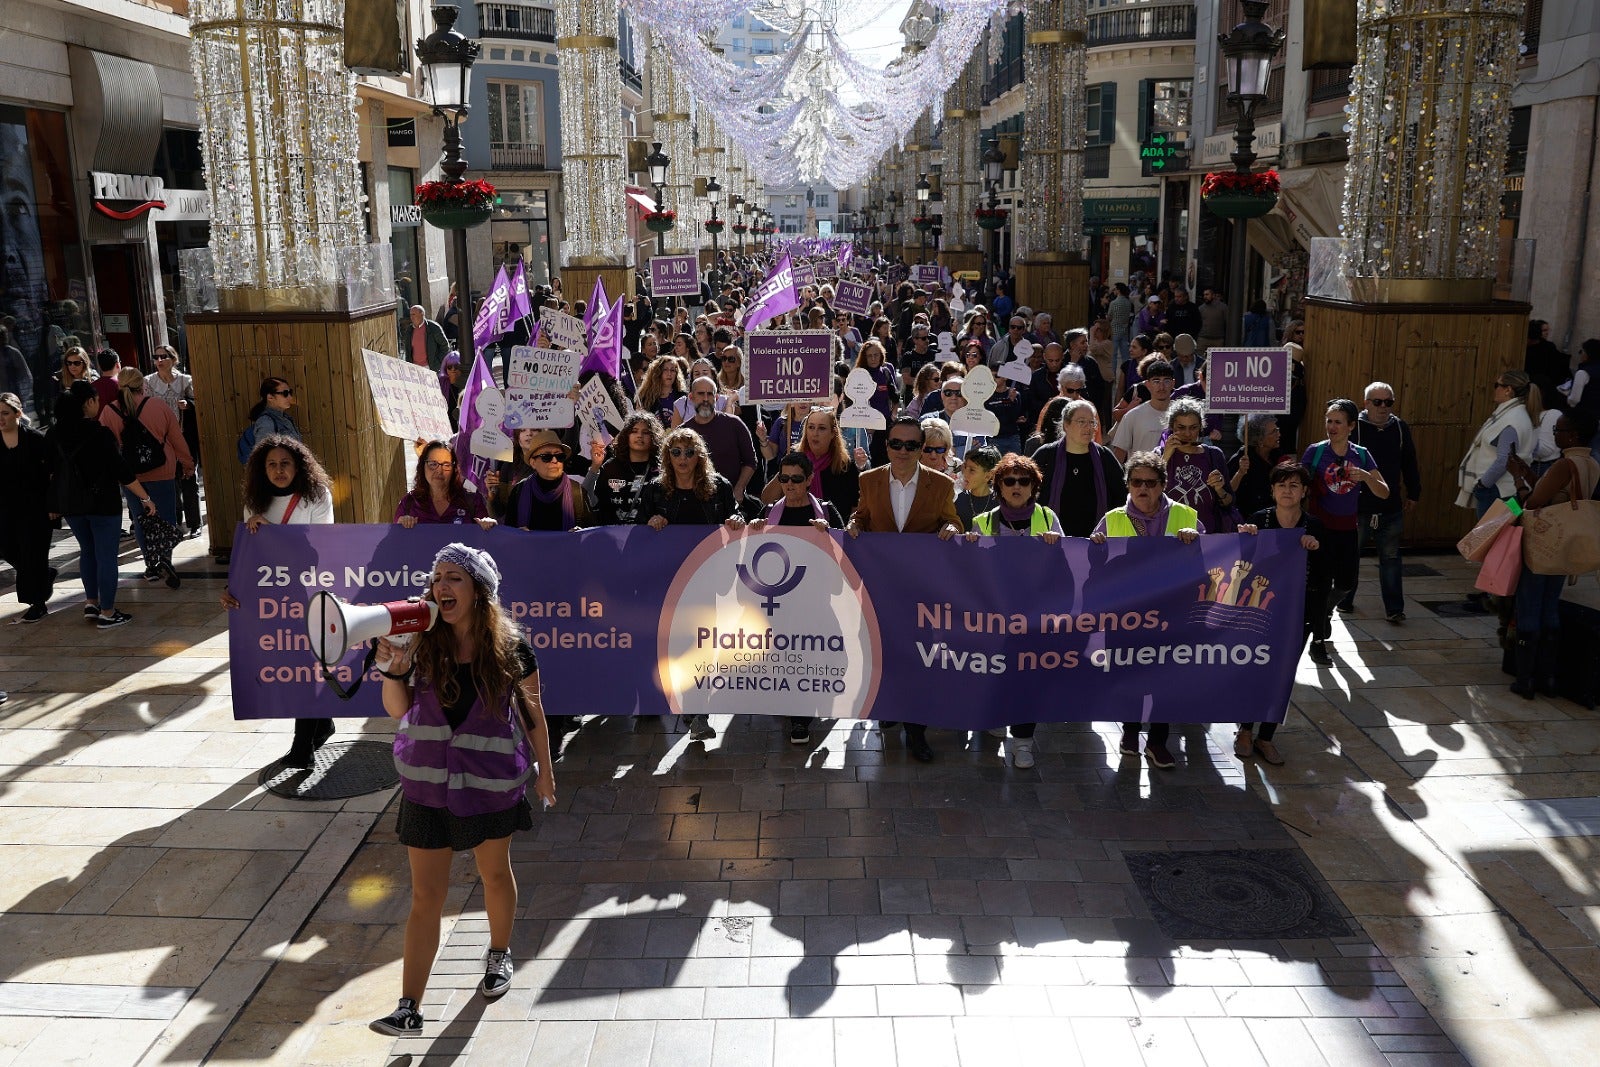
(1538, 602)
(98, 539)
(1387, 539)
(1121, 345)
(165, 494)
(1482, 498)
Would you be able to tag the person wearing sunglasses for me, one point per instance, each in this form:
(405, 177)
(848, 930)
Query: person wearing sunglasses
(905, 496)
(1149, 512)
(548, 498)
(438, 495)
(270, 416)
(1019, 514)
(1388, 438)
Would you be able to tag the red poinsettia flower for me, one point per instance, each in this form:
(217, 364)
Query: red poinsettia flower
(455, 194)
(1263, 183)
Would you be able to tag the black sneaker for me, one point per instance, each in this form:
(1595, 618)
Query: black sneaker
(404, 1021)
(170, 576)
(496, 974)
(91, 611)
(1129, 745)
(35, 613)
(151, 575)
(1319, 654)
(115, 619)
(799, 733)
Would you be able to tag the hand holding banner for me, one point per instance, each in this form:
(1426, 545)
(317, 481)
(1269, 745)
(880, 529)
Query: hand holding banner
(407, 397)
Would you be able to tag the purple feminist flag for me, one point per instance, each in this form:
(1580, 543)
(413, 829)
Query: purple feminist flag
(494, 317)
(521, 305)
(595, 309)
(775, 297)
(847, 256)
(605, 347)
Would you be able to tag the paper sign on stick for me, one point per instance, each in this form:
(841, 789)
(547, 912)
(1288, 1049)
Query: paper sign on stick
(539, 382)
(409, 402)
(860, 388)
(488, 440)
(596, 406)
(564, 329)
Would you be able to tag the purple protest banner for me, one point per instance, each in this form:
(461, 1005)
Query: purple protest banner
(926, 274)
(854, 297)
(804, 274)
(675, 275)
(798, 622)
(784, 366)
(1248, 381)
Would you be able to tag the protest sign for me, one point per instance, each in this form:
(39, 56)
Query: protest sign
(1247, 381)
(675, 275)
(539, 382)
(926, 274)
(799, 622)
(804, 274)
(859, 389)
(854, 297)
(977, 386)
(788, 365)
(826, 269)
(565, 330)
(596, 407)
(488, 439)
(1018, 371)
(408, 398)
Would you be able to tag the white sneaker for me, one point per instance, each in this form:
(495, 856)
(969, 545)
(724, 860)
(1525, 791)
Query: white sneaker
(1020, 749)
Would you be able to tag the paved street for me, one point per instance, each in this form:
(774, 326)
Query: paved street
(752, 902)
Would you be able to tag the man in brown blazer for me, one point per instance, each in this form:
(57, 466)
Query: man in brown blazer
(906, 497)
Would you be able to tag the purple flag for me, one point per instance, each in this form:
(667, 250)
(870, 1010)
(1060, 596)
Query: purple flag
(847, 255)
(605, 347)
(481, 379)
(775, 296)
(521, 305)
(595, 308)
(494, 317)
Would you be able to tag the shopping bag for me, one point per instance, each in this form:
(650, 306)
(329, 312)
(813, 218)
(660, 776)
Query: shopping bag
(1503, 566)
(1476, 544)
(1562, 538)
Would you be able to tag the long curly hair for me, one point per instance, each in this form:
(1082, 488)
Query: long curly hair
(654, 387)
(311, 481)
(495, 664)
(704, 486)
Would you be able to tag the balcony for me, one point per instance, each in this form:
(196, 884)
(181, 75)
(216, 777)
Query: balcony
(631, 76)
(1330, 84)
(1142, 24)
(525, 156)
(518, 22)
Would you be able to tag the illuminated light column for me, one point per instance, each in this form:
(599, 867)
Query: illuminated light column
(1430, 107)
(962, 171)
(593, 157)
(919, 152)
(674, 128)
(710, 160)
(278, 131)
(1429, 125)
(1047, 237)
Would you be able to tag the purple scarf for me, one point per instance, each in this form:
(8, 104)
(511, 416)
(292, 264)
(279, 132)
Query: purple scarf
(1153, 525)
(1058, 477)
(1015, 515)
(775, 512)
(532, 490)
(819, 463)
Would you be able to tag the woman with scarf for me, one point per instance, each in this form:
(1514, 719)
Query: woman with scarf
(451, 381)
(1080, 479)
(1149, 512)
(548, 498)
(834, 476)
(472, 733)
(1483, 476)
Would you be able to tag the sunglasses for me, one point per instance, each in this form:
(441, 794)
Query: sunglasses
(551, 457)
(792, 479)
(900, 444)
(76, 363)
(730, 359)
(680, 453)
(934, 450)
(950, 392)
(1145, 483)
(1072, 392)
(1012, 483)
(1382, 401)
(283, 392)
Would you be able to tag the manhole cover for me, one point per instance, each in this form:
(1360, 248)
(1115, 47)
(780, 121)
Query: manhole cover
(1249, 893)
(340, 770)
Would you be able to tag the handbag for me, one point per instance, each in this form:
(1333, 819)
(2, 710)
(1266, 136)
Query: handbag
(160, 538)
(1562, 538)
(1503, 566)
(1475, 546)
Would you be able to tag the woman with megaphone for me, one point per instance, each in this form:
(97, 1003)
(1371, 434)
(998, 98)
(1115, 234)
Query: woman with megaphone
(472, 732)
(284, 485)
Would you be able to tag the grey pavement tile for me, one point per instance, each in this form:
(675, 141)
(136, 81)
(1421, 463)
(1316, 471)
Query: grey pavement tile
(681, 1043)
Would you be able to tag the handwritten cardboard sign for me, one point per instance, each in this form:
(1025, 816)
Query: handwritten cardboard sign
(597, 408)
(565, 330)
(408, 398)
(789, 365)
(677, 275)
(539, 382)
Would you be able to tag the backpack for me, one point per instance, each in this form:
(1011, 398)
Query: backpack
(140, 449)
(246, 444)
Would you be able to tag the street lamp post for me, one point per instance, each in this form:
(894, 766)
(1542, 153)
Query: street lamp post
(656, 163)
(713, 197)
(924, 190)
(993, 164)
(446, 58)
(1248, 50)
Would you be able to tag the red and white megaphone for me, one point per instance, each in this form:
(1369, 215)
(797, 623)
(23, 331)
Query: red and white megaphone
(336, 626)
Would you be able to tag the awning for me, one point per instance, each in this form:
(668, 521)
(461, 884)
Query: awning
(1310, 201)
(1270, 236)
(641, 201)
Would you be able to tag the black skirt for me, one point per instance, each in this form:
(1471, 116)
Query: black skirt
(420, 826)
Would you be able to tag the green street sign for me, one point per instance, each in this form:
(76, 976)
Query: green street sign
(1161, 152)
